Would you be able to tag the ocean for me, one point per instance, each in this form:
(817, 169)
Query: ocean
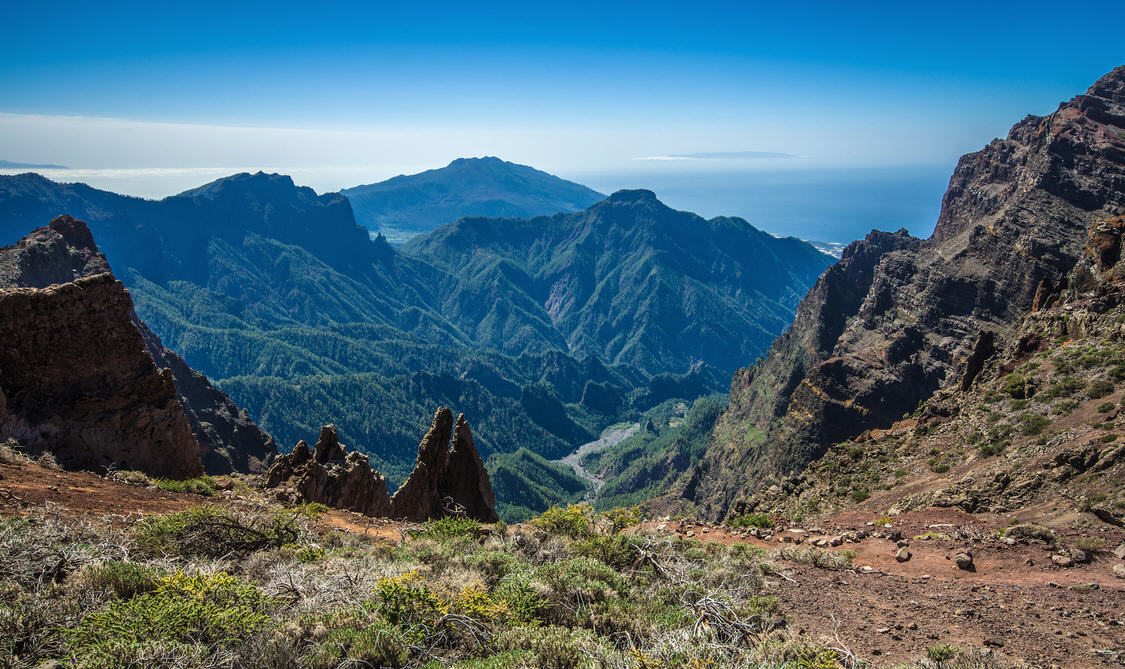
(827, 205)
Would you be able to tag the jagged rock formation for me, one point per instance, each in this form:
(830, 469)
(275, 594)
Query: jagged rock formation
(446, 475)
(330, 475)
(446, 478)
(65, 252)
(898, 318)
(76, 379)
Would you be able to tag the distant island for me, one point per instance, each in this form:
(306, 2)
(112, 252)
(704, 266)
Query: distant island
(7, 164)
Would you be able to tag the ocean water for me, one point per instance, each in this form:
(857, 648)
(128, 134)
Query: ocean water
(828, 205)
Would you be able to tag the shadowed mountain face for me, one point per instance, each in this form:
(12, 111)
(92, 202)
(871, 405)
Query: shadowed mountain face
(408, 205)
(629, 280)
(897, 318)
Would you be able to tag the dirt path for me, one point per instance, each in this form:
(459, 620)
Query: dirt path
(1016, 602)
(607, 439)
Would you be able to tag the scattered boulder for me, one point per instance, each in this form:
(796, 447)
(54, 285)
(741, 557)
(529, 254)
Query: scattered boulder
(964, 560)
(1119, 570)
(903, 554)
(1119, 552)
(1061, 560)
(331, 476)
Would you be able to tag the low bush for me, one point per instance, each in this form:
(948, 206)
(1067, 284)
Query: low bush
(1099, 389)
(572, 521)
(203, 485)
(214, 531)
(759, 520)
(188, 610)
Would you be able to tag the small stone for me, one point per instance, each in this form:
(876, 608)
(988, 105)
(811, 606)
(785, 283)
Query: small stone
(706, 530)
(1119, 570)
(903, 554)
(993, 642)
(964, 560)
(1079, 555)
(883, 630)
(1119, 552)
(690, 533)
(661, 527)
(1009, 540)
(1062, 560)
(912, 626)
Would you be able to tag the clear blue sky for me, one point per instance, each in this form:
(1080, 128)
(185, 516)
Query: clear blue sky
(564, 86)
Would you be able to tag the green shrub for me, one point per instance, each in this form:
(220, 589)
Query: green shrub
(759, 520)
(622, 517)
(309, 509)
(203, 485)
(1099, 389)
(1090, 544)
(941, 652)
(572, 521)
(616, 550)
(860, 495)
(835, 560)
(1014, 385)
(1107, 438)
(1064, 407)
(452, 527)
(123, 579)
(525, 604)
(405, 600)
(1033, 423)
(370, 645)
(213, 531)
(190, 610)
(1105, 407)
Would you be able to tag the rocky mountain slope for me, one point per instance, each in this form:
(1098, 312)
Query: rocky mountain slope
(76, 380)
(414, 204)
(65, 252)
(899, 318)
(628, 280)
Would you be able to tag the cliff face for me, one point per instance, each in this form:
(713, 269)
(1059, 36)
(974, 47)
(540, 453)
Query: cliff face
(64, 254)
(898, 318)
(79, 384)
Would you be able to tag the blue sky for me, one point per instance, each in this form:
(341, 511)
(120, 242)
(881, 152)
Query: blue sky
(572, 87)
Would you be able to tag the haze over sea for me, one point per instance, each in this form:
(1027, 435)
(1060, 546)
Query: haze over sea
(823, 204)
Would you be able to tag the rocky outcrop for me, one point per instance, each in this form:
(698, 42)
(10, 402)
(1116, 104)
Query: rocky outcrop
(898, 318)
(331, 476)
(78, 382)
(64, 252)
(446, 478)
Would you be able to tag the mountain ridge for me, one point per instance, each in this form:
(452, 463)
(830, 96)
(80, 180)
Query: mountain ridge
(898, 318)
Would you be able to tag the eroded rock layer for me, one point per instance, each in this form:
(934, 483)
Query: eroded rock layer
(898, 318)
(64, 252)
(79, 383)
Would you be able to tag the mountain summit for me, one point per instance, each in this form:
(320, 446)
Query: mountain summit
(405, 206)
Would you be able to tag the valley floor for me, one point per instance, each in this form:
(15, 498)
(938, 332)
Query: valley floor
(1016, 604)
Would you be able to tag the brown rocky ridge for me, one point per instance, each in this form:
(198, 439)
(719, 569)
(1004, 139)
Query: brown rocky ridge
(92, 371)
(74, 375)
(898, 318)
(449, 477)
